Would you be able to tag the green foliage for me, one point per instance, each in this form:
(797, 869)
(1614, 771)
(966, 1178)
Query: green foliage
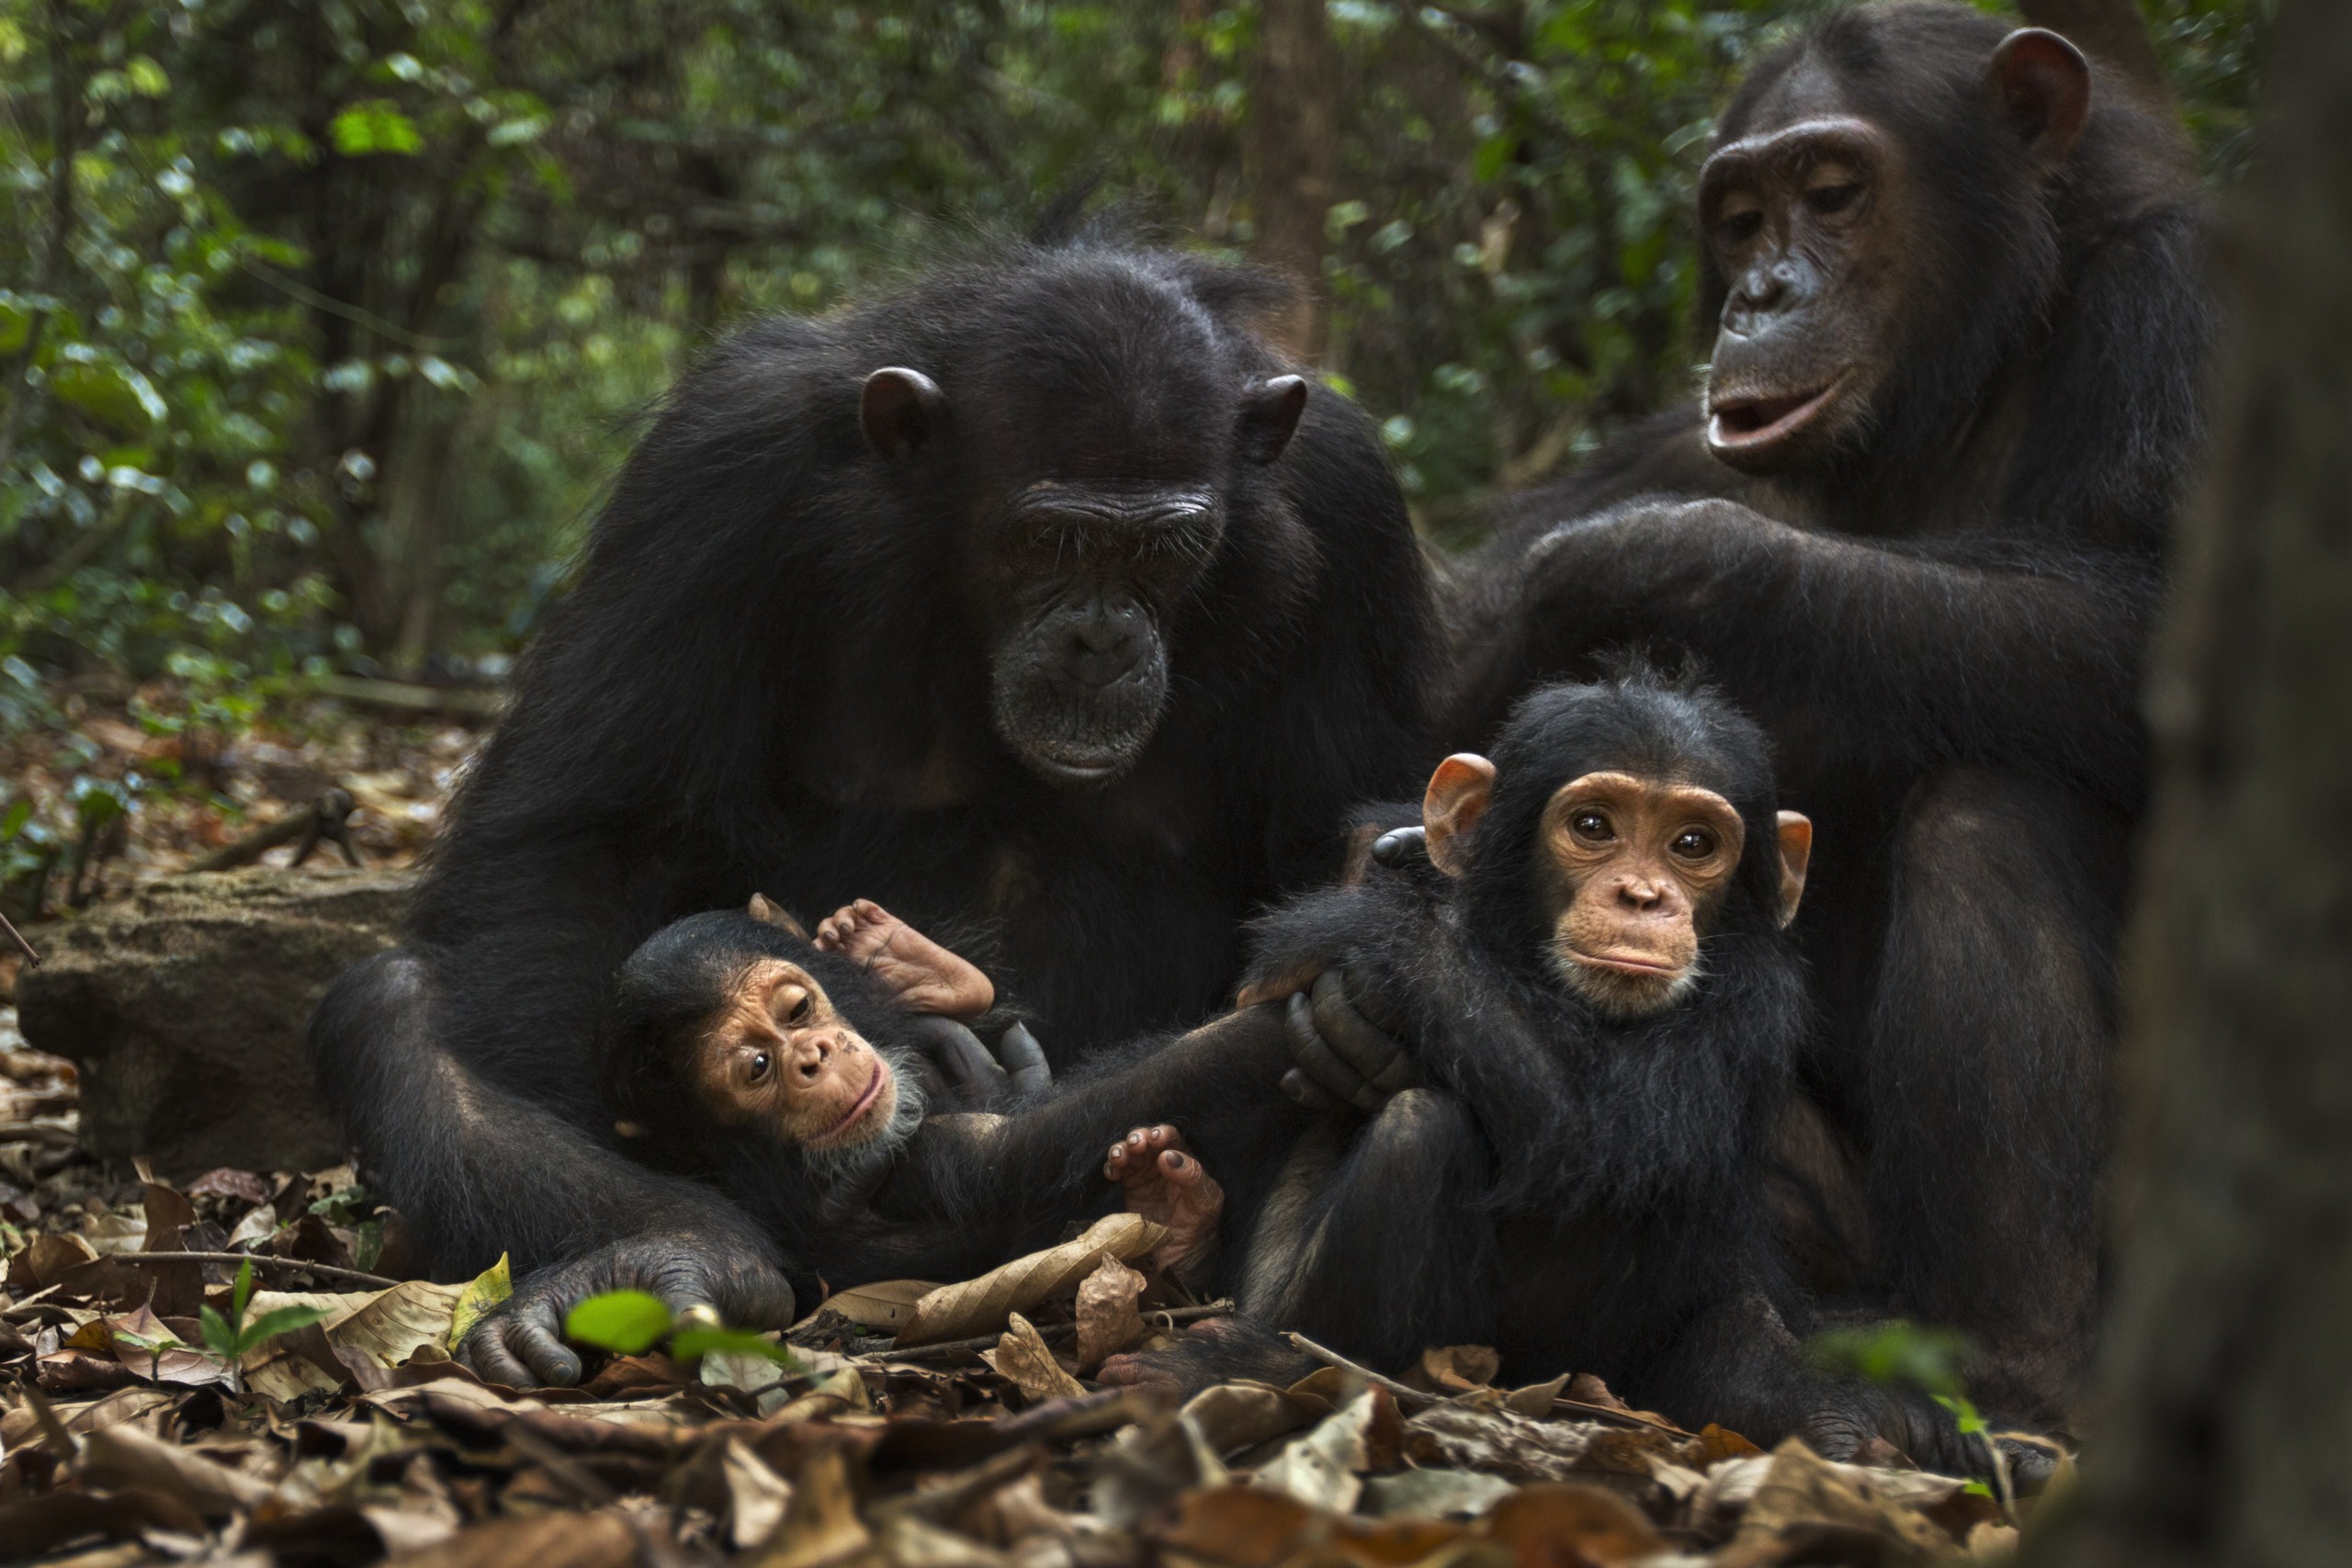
(632, 1322)
(323, 325)
(1895, 1353)
(231, 1336)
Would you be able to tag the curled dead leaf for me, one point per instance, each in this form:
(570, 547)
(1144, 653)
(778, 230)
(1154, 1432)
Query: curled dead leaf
(978, 1306)
(1108, 1321)
(1023, 1357)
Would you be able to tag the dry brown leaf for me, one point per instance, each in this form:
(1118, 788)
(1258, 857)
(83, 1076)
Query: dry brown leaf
(1459, 1368)
(390, 1324)
(757, 1496)
(602, 1539)
(1023, 1356)
(1536, 1399)
(123, 1456)
(885, 1304)
(1801, 1494)
(46, 1261)
(20, 1428)
(915, 1543)
(1324, 1469)
(978, 1306)
(1573, 1523)
(1498, 1442)
(1236, 1416)
(821, 1523)
(1242, 1524)
(1108, 1322)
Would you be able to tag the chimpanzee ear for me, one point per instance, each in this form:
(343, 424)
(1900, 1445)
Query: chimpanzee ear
(1796, 853)
(1269, 416)
(1451, 805)
(2041, 90)
(768, 912)
(900, 412)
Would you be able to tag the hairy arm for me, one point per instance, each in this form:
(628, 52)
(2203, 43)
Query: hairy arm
(1856, 652)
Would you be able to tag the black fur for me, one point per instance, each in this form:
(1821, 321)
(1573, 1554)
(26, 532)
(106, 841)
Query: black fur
(775, 675)
(1581, 1192)
(1942, 630)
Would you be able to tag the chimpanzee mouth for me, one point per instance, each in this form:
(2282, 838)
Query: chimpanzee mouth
(1749, 422)
(856, 1112)
(1629, 964)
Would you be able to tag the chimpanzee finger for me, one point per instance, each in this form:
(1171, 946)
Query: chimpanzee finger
(1025, 1059)
(540, 1344)
(1373, 1052)
(1311, 1095)
(1401, 846)
(973, 1080)
(1313, 1058)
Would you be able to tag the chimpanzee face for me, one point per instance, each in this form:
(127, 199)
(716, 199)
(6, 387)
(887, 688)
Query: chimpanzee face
(1823, 236)
(1093, 519)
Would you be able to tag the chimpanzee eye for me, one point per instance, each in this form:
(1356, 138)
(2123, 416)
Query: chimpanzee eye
(800, 1009)
(1591, 825)
(1695, 843)
(1736, 226)
(761, 1063)
(1832, 199)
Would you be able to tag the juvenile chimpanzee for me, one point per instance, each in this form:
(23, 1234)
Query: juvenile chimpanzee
(1609, 1013)
(1954, 276)
(1041, 601)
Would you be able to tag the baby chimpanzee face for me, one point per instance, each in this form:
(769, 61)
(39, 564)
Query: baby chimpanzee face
(776, 1056)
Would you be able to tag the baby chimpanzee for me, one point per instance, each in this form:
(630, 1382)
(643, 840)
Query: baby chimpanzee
(794, 1073)
(1592, 969)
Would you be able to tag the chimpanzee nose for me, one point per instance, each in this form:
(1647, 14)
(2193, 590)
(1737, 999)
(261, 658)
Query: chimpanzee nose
(1105, 644)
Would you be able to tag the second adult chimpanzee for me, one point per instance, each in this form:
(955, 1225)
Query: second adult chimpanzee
(1609, 1013)
(1953, 277)
(1041, 601)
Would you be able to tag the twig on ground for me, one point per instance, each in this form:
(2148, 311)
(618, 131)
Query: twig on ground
(322, 820)
(260, 1261)
(1050, 1332)
(1413, 1399)
(19, 938)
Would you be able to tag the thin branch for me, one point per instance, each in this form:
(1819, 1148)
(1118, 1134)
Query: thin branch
(260, 1259)
(18, 937)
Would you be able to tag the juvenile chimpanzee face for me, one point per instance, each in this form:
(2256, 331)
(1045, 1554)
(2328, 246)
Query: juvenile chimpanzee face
(1819, 231)
(776, 1057)
(1615, 847)
(1097, 464)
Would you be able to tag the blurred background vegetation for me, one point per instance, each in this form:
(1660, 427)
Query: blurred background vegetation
(323, 321)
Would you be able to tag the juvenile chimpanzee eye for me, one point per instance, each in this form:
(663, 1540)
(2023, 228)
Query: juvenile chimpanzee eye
(1591, 825)
(1695, 843)
(761, 1064)
(800, 1009)
(1832, 199)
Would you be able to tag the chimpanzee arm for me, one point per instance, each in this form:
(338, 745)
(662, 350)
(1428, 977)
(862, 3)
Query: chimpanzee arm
(480, 1170)
(1854, 653)
(978, 1190)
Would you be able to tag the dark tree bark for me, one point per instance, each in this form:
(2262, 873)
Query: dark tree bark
(1297, 147)
(2112, 29)
(2225, 1420)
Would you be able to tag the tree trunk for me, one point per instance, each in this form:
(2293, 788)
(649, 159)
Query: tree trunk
(2225, 1421)
(2112, 29)
(1297, 149)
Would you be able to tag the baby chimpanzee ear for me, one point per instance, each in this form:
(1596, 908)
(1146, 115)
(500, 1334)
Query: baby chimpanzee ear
(768, 912)
(1796, 853)
(1451, 805)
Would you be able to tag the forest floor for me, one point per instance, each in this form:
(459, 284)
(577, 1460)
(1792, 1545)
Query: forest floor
(153, 1408)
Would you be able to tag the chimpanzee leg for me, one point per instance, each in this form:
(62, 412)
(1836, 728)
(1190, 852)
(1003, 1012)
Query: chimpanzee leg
(1986, 1059)
(1392, 1255)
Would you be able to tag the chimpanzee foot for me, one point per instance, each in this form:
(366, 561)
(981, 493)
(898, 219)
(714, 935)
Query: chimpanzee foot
(1219, 1349)
(923, 976)
(1168, 1187)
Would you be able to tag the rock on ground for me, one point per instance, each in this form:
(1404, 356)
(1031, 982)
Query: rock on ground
(184, 1008)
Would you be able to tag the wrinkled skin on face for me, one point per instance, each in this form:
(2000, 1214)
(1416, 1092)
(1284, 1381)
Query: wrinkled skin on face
(1818, 228)
(777, 1056)
(1093, 521)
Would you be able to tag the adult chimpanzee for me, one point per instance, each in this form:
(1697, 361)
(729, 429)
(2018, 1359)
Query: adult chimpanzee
(1954, 276)
(1608, 1011)
(1040, 602)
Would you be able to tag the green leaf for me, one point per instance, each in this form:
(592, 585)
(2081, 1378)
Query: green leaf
(15, 325)
(626, 1321)
(111, 394)
(146, 77)
(694, 1344)
(242, 1292)
(485, 1290)
(270, 1325)
(375, 125)
(218, 1337)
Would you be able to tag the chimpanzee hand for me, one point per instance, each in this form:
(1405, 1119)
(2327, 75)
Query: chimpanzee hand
(520, 1343)
(974, 1080)
(1650, 565)
(1342, 1056)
